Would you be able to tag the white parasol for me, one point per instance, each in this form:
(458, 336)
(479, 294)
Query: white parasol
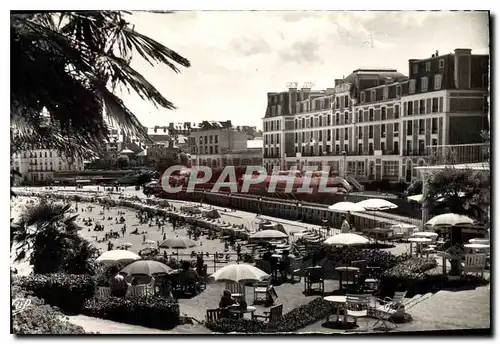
(240, 273)
(344, 207)
(117, 255)
(346, 239)
(449, 219)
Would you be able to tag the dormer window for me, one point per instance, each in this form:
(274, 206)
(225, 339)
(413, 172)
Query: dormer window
(415, 68)
(373, 96)
(362, 97)
(386, 92)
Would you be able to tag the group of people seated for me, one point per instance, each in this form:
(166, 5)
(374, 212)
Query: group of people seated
(227, 302)
(282, 264)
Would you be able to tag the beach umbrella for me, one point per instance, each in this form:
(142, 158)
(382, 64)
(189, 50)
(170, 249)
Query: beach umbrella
(430, 235)
(268, 234)
(344, 207)
(178, 243)
(146, 267)
(376, 204)
(149, 242)
(346, 239)
(239, 273)
(404, 228)
(416, 198)
(117, 255)
(127, 244)
(449, 219)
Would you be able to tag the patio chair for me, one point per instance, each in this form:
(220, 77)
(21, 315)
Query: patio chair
(474, 263)
(213, 315)
(103, 292)
(238, 290)
(264, 266)
(357, 306)
(314, 275)
(272, 315)
(296, 269)
(386, 309)
(138, 290)
(261, 291)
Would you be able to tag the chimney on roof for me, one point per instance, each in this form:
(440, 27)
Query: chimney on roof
(437, 53)
(339, 82)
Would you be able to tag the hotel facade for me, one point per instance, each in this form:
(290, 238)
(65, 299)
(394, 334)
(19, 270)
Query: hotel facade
(378, 124)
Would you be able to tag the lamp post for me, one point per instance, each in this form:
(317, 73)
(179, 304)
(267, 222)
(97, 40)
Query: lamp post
(344, 153)
(299, 205)
(260, 207)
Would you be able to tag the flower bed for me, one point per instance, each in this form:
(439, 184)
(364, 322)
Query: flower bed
(294, 320)
(38, 317)
(410, 275)
(148, 311)
(68, 292)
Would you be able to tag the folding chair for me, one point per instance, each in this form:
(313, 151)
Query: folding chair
(385, 310)
(274, 314)
(261, 291)
(357, 306)
(238, 290)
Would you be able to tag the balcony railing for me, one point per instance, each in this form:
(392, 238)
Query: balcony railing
(458, 154)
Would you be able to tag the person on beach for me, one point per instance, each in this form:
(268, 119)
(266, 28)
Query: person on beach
(225, 302)
(117, 284)
(346, 227)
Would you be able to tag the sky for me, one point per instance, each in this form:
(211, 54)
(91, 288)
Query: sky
(238, 56)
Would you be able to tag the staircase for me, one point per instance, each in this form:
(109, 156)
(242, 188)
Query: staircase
(357, 185)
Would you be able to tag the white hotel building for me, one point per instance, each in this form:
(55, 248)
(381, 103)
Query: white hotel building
(381, 124)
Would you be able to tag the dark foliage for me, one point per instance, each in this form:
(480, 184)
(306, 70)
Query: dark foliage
(294, 320)
(67, 67)
(38, 317)
(68, 292)
(150, 311)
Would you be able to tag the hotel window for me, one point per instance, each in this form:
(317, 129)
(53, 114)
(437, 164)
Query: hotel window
(346, 134)
(382, 130)
(362, 97)
(435, 105)
(211, 139)
(360, 116)
(278, 125)
(360, 132)
(434, 125)
(303, 136)
(337, 118)
(411, 87)
(415, 68)
(328, 135)
(337, 149)
(408, 147)
(346, 118)
(386, 92)
(370, 148)
(311, 123)
(370, 116)
(320, 121)
(428, 66)
(370, 132)
(346, 101)
(360, 148)
(337, 134)
(337, 102)
(361, 168)
(201, 140)
(409, 128)
(410, 108)
(373, 96)
(421, 126)
(320, 135)
(346, 148)
(206, 150)
(391, 168)
(296, 137)
(383, 113)
(382, 147)
(277, 138)
(484, 81)
(437, 81)
(441, 63)
(421, 147)
(205, 139)
(399, 90)
(396, 129)
(328, 120)
(396, 147)
(396, 111)
(424, 83)
(272, 139)
(421, 106)
(211, 150)
(303, 123)
(434, 142)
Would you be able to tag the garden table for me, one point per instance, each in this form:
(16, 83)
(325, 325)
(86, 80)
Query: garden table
(347, 270)
(339, 301)
(241, 312)
(418, 241)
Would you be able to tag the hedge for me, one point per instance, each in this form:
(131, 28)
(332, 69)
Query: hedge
(410, 275)
(38, 317)
(148, 311)
(68, 292)
(291, 322)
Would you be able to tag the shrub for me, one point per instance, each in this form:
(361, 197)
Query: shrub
(148, 311)
(68, 292)
(39, 318)
(408, 275)
(294, 320)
